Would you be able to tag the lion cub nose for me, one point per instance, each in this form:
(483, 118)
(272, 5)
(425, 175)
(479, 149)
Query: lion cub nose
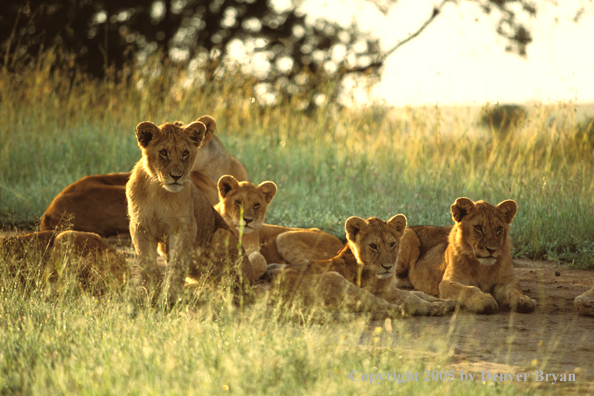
(175, 177)
(491, 250)
(248, 220)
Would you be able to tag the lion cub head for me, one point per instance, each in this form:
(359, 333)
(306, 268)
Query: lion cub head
(375, 242)
(483, 229)
(242, 204)
(169, 150)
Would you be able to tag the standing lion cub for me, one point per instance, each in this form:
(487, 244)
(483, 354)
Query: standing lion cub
(470, 262)
(166, 207)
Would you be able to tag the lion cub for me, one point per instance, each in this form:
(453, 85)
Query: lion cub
(98, 204)
(584, 303)
(49, 255)
(360, 278)
(166, 207)
(470, 262)
(244, 206)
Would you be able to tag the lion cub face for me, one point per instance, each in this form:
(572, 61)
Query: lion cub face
(484, 228)
(242, 204)
(169, 150)
(375, 242)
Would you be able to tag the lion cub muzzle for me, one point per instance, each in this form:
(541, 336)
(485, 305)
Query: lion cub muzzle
(488, 253)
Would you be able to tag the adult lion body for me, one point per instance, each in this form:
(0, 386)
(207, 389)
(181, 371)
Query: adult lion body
(98, 204)
(166, 207)
(360, 278)
(244, 206)
(82, 254)
(470, 261)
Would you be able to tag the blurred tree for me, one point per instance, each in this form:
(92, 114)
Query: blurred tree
(291, 56)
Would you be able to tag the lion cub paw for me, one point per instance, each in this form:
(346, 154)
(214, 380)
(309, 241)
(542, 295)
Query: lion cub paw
(483, 304)
(584, 303)
(417, 306)
(522, 304)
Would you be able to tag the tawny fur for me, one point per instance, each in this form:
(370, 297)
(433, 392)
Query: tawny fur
(166, 207)
(361, 276)
(94, 264)
(244, 206)
(98, 203)
(470, 261)
(584, 303)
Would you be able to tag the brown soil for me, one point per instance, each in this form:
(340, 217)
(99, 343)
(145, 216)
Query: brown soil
(554, 338)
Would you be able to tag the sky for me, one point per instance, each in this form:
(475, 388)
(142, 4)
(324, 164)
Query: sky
(460, 60)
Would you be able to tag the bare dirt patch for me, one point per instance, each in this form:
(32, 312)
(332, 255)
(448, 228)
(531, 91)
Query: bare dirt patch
(554, 338)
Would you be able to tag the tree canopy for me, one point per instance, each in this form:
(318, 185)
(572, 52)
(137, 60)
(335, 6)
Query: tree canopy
(295, 55)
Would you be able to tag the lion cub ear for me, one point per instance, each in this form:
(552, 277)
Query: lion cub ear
(269, 190)
(398, 223)
(226, 184)
(209, 121)
(196, 130)
(461, 208)
(145, 131)
(508, 208)
(353, 226)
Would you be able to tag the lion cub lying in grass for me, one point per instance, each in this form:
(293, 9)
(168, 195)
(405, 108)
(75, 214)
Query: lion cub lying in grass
(361, 276)
(244, 206)
(49, 256)
(166, 207)
(470, 262)
(584, 303)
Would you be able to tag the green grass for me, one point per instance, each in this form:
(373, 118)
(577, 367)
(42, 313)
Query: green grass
(329, 166)
(89, 346)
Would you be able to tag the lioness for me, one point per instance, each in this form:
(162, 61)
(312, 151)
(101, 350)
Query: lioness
(584, 303)
(244, 206)
(470, 262)
(166, 207)
(361, 276)
(98, 204)
(82, 254)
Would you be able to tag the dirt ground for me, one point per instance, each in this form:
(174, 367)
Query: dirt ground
(554, 338)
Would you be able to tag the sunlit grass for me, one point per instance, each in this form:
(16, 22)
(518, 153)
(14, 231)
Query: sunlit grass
(330, 165)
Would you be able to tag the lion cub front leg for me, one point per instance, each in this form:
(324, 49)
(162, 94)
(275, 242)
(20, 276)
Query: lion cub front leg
(180, 256)
(146, 250)
(418, 303)
(470, 296)
(511, 295)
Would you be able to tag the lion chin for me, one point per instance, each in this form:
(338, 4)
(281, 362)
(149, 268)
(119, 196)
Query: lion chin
(383, 275)
(246, 229)
(173, 187)
(487, 260)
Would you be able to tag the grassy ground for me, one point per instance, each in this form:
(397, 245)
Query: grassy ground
(332, 165)
(329, 166)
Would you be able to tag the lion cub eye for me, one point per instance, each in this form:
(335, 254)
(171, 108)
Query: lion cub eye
(185, 154)
(373, 247)
(163, 153)
(256, 206)
(237, 202)
(478, 229)
(498, 230)
(392, 245)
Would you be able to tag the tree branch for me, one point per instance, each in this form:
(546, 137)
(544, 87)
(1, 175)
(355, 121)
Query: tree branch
(381, 59)
(435, 13)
